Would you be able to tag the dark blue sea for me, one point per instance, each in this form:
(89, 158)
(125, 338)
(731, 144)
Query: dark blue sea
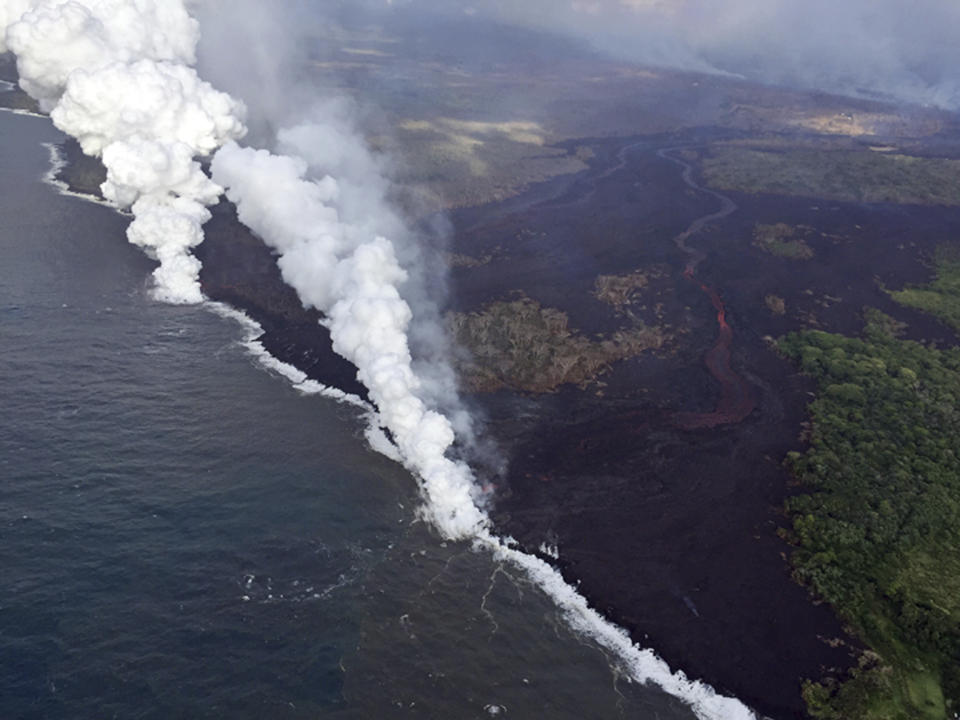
(184, 535)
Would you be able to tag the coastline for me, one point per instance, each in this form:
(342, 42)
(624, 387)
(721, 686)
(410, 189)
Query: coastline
(650, 500)
(241, 272)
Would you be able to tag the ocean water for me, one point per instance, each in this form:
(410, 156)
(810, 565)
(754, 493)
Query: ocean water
(185, 535)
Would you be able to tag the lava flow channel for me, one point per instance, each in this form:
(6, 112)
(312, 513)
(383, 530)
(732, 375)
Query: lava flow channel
(736, 397)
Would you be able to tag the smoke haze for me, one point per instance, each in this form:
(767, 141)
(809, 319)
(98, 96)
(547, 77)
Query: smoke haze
(880, 48)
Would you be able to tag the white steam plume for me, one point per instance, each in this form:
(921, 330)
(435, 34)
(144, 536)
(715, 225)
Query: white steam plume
(352, 276)
(117, 76)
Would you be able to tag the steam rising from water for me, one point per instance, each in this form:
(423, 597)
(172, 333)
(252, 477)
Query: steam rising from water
(117, 76)
(353, 277)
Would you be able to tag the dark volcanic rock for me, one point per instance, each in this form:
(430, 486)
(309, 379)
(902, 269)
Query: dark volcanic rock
(671, 533)
(81, 173)
(8, 68)
(15, 99)
(240, 270)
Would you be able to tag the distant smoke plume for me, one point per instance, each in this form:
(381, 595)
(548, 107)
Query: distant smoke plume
(892, 49)
(117, 75)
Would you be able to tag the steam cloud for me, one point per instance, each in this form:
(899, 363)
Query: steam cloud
(352, 276)
(117, 76)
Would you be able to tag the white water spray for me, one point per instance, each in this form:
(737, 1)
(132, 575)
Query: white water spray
(117, 76)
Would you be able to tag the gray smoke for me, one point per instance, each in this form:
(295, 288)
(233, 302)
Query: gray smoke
(905, 51)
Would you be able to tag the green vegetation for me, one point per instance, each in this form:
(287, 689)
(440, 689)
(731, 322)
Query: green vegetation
(781, 240)
(524, 346)
(877, 529)
(845, 175)
(941, 297)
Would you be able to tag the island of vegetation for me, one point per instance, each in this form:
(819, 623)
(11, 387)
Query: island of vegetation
(523, 346)
(781, 240)
(775, 304)
(941, 297)
(877, 525)
(842, 175)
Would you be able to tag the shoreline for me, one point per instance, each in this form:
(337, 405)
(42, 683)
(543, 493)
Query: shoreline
(711, 617)
(241, 272)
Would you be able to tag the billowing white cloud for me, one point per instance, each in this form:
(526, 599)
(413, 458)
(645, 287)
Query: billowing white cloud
(117, 76)
(353, 276)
